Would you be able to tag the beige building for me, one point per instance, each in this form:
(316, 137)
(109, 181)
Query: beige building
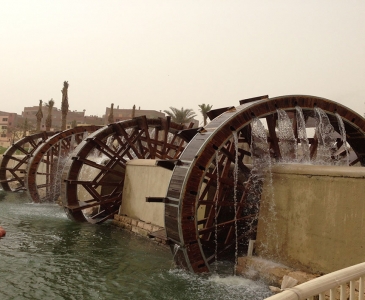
(12, 125)
(4, 140)
(125, 114)
(7, 123)
(77, 117)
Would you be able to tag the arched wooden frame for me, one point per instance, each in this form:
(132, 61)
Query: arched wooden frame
(192, 237)
(46, 162)
(15, 160)
(103, 157)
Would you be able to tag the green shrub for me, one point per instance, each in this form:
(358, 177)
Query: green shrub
(2, 149)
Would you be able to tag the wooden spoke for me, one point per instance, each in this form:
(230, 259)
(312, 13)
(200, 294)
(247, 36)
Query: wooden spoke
(200, 211)
(46, 163)
(15, 161)
(92, 181)
(271, 124)
(225, 224)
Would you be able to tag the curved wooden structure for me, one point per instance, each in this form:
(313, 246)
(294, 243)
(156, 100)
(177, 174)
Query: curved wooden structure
(199, 217)
(44, 169)
(92, 182)
(15, 160)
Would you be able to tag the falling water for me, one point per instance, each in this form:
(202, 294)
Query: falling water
(235, 177)
(57, 175)
(261, 169)
(259, 147)
(343, 137)
(176, 248)
(57, 171)
(85, 135)
(302, 136)
(109, 141)
(287, 143)
(95, 153)
(326, 139)
(72, 142)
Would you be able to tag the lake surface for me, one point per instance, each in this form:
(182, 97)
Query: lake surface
(46, 256)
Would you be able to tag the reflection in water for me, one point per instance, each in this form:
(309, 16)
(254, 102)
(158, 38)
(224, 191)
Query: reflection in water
(46, 256)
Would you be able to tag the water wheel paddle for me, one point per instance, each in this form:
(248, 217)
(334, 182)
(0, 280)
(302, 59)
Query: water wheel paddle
(93, 179)
(199, 217)
(15, 160)
(44, 169)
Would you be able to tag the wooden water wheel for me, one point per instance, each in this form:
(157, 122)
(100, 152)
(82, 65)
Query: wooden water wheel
(45, 165)
(93, 179)
(15, 160)
(200, 209)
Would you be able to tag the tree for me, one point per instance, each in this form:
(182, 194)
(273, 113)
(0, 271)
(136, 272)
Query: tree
(204, 108)
(20, 130)
(134, 111)
(111, 115)
(181, 116)
(49, 117)
(64, 104)
(25, 127)
(39, 116)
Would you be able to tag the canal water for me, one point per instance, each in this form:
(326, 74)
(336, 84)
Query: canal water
(46, 256)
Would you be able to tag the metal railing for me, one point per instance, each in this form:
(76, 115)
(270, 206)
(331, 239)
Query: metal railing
(343, 284)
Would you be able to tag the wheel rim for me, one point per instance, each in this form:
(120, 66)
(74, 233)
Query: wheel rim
(192, 236)
(13, 168)
(98, 197)
(44, 168)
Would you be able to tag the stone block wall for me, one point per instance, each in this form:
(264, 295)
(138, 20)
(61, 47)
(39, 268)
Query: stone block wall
(313, 219)
(144, 229)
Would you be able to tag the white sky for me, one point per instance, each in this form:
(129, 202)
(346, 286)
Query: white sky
(157, 54)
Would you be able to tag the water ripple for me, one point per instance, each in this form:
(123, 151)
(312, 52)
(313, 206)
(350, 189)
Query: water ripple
(46, 256)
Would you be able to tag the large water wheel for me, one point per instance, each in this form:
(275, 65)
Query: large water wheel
(15, 160)
(205, 217)
(93, 179)
(45, 165)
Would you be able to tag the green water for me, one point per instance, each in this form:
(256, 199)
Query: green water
(46, 256)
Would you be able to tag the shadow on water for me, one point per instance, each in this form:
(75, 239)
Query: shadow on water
(46, 256)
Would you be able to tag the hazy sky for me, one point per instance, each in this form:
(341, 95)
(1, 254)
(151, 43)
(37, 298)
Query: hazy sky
(157, 54)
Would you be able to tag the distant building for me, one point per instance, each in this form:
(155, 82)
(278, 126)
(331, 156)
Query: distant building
(13, 125)
(73, 117)
(126, 114)
(8, 121)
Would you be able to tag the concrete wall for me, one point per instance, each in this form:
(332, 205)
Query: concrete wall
(144, 179)
(316, 219)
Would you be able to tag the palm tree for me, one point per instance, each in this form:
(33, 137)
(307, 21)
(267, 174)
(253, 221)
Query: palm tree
(26, 127)
(180, 116)
(49, 117)
(39, 116)
(64, 104)
(204, 108)
(111, 114)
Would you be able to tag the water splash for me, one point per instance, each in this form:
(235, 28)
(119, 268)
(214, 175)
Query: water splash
(50, 191)
(60, 155)
(302, 135)
(261, 170)
(72, 142)
(287, 140)
(176, 248)
(343, 137)
(326, 139)
(85, 135)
